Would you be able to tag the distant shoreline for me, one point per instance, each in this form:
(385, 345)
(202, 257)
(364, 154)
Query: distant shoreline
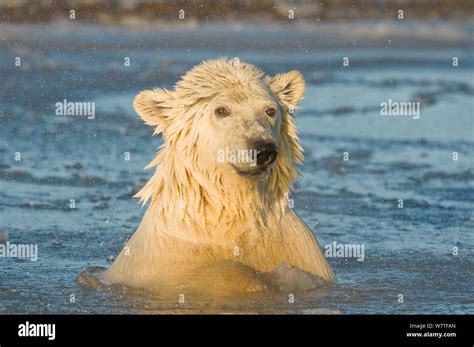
(116, 12)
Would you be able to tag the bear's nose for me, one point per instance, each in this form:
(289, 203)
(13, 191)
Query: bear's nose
(266, 153)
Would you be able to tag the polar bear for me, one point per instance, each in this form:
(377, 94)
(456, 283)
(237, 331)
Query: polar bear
(218, 214)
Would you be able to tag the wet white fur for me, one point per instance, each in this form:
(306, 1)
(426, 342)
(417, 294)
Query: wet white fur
(201, 212)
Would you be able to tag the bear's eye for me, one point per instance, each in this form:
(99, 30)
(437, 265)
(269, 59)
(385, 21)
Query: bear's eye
(271, 111)
(221, 111)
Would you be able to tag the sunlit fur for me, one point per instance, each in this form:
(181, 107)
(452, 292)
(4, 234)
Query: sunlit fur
(202, 212)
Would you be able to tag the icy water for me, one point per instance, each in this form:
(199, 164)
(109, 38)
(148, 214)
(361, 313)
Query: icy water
(408, 251)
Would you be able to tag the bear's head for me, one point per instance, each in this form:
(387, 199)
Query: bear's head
(227, 129)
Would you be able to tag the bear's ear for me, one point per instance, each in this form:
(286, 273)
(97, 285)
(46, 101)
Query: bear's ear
(151, 106)
(289, 87)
